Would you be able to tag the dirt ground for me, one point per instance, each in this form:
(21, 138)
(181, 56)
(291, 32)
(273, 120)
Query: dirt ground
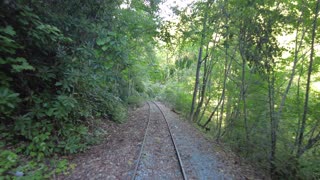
(116, 157)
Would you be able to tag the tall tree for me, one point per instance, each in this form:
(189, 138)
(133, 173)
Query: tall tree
(311, 142)
(199, 61)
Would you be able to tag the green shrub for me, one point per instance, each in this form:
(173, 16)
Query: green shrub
(180, 100)
(170, 96)
(138, 85)
(135, 101)
(183, 102)
(8, 100)
(309, 166)
(8, 161)
(73, 138)
(52, 86)
(117, 111)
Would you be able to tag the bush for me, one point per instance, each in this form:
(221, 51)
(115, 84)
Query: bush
(12, 168)
(60, 68)
(47, 92)
(183, 102)
(180, 100)
(135, 101)
(117, 111)
(8, 161)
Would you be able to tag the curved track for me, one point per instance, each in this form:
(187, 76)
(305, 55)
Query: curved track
(181, 168)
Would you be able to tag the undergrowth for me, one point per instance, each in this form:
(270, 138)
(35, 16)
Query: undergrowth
(61, 72)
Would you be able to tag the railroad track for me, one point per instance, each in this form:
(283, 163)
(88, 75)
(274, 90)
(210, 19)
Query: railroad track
(148, 134)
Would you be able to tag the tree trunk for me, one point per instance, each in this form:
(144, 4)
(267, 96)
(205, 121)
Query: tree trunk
(196, 85)
(243, 97)
(273, 124)
(298, 108)
(203, 111)
(306, 101)
(296, 59)
(226, 72)
(220, 119)
(207, 73)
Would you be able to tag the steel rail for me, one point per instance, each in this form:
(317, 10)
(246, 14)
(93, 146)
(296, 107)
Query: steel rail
(174, 143)
(142, 146)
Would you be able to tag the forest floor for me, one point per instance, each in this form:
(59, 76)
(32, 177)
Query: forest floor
(116, 156)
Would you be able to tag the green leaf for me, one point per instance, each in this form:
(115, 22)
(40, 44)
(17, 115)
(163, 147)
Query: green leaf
(101, 42)
(104, 48)
(2, 61)
(20, 67)
(10, 105)
(58, 83)
(8, 30)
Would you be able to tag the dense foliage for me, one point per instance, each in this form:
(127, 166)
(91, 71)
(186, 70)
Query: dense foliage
(63, 66)
(253, 79)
